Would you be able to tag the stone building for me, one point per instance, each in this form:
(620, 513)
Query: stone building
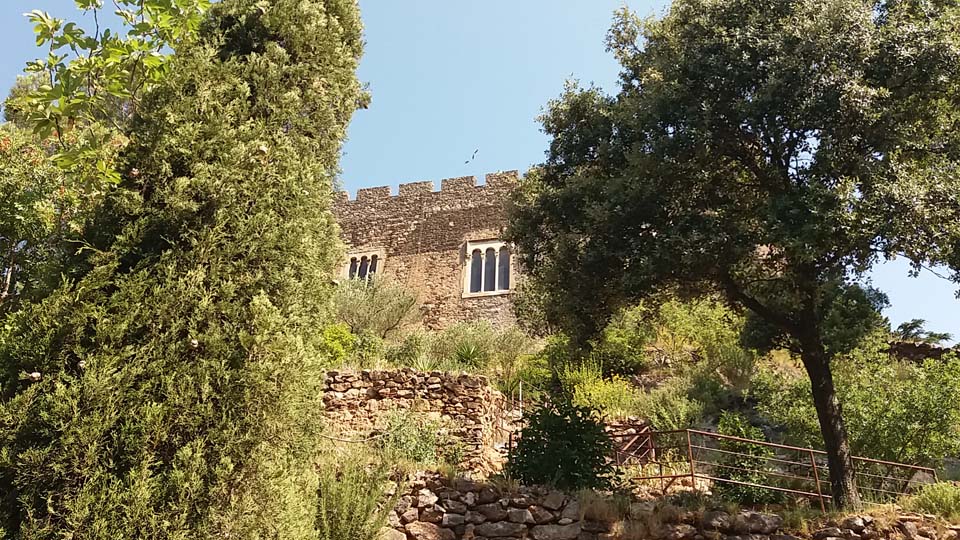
(444, 245)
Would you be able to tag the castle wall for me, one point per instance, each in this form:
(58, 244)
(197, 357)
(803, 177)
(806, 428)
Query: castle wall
(422, 234)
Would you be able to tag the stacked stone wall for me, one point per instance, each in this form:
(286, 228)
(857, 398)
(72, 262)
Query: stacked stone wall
(478, 415)
(422, 234)
(433, 508)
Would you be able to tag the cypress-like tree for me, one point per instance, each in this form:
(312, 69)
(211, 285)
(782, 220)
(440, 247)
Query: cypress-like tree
(172, 391)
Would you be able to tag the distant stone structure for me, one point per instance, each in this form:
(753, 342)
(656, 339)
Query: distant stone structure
(445, 245)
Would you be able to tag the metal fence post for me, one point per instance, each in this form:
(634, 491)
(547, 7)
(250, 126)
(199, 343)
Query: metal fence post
(816, 478)
(693, 469)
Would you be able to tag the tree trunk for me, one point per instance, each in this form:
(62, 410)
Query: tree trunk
(843, 484)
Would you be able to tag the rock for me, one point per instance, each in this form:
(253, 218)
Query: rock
(715, 521)
(456, 507)
(403, 504)
(522, 501)
(393, 519)
(520, 515)
(468, 533)
(410, 515)
(554, 500)
(556, 532)
(758, 523)
(428, 531)
(387, 533)
(909, 529)
(854, 523)
(487, 495)
(594, 526)
(541, 515)
(500, 528)
(475, 517)
(848, 534)
(452, 520)
(827, 533)
(783, 537)
(679, 532)
(565, 521)
(470, 498)
(434, 514)
(571, 511)
(493, 512)
(425, 497)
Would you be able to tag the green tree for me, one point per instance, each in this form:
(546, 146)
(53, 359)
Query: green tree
(914, 331)
(769, 151)
(171, 391)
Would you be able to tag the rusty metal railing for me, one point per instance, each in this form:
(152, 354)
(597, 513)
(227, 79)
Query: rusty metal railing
(712, 459)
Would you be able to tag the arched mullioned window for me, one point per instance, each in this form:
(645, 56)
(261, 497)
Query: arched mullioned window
(488, 268)
(364, 267)
(476, 270)
(503, 269)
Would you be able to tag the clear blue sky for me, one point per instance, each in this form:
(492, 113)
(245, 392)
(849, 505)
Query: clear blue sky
(449, 78)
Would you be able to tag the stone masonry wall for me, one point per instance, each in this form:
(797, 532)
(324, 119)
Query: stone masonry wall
(478, 415)
(422, 234)
(433, 508)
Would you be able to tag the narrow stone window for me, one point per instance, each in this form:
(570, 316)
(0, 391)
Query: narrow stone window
(364, 267)
(503, 275)
(353, 268)
(490, 270)
(476, 270)
(373, 264)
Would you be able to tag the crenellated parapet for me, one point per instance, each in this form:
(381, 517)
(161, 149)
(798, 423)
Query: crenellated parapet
(465, 186)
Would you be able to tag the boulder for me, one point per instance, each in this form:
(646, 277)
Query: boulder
(758, 523)
(475, 517)
(572, 510)
(387, 533)
(716, 521)
(433, 514)
(854, 523)
(453, 520)
(829, 532)
(419, 530)
(425, 497)
(556, 532)
(410, 515)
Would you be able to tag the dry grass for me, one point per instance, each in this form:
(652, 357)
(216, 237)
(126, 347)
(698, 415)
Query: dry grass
(630, 530)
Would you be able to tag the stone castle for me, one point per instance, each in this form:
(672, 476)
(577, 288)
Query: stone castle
(444, 245)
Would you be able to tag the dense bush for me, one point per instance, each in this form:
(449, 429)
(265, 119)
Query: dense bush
(669, 406)
(743, 462)
(416, 439)
(351, 500)
(941, 499)
(563, 445)
(585, 385)
(895, 410)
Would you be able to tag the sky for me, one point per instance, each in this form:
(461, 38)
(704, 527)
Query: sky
(457, 87)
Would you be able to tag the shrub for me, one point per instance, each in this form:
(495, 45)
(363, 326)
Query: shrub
(669, 406)
(338, 344)
(411, 437)
(941, 498)
(350, 497)
(743, 462)
(563, 445)
(622, 348)
(585, 386)
(377, 306)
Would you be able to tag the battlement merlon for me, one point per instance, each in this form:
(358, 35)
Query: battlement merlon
(500, 181)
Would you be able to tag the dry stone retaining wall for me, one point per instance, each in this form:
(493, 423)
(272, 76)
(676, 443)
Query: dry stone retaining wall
(435, 509)
(478, 415)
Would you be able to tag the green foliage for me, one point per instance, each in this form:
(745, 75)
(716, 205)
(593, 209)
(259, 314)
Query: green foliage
(563, 445)
(743, 462)
(670, 407)
(622, 347)
(940, 499)
(914, 331)
(338, 344)
(414, 438)
(768, 152)
(378, 306)
(179, 375)
(585, 385)
(350, 497)
(896, 411)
